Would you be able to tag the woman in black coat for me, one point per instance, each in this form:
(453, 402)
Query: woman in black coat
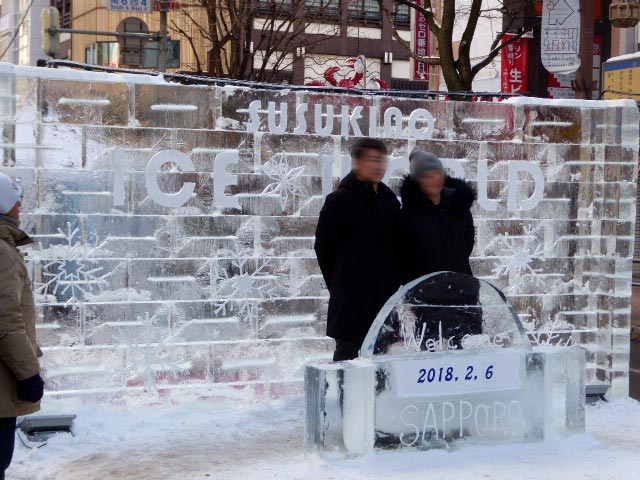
(436, 234)
(436, 230)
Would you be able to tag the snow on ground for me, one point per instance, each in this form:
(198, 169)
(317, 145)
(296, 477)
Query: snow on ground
(200, 440)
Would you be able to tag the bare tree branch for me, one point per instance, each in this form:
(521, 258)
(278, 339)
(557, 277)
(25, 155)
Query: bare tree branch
(403, 42)
(495, 51)
(472, 23)
(257, 39)
(457, 69)
(426, 10)
(189, 38)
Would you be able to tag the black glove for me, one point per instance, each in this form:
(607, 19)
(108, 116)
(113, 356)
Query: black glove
(31, 389)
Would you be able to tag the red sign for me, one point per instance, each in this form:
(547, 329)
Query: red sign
(421, 70)
(515, 65)
(561, 86)
(157, 5)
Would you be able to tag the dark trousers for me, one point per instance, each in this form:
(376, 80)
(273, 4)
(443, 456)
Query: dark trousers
(7, 440)
(346, 350)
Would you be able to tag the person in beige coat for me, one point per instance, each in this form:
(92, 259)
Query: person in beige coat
(21, 386)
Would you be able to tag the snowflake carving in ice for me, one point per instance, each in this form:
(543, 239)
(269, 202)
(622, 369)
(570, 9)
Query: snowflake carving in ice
(286, 180)
(167, 141)
(68, 268)
(145, 360)
(517, 254)
(242, 284)
(295, 276)
(239, 282)
(171, 237)
(552, 333)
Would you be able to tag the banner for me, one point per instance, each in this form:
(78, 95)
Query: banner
(421, 44)
(515, 61)
(560, 46)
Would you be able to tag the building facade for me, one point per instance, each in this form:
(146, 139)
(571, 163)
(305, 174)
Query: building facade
(108, 51)
(21, 31)
(328, 34)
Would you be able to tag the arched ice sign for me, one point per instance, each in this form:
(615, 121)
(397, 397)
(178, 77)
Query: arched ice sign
(447, 361)
(444, 311)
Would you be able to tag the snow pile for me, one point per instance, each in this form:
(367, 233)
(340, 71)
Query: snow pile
(627, 56)
(207, 440)
(72, 74)
(570, 102)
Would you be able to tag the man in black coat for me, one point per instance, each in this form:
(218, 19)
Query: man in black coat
(437, 234)
(356, 248)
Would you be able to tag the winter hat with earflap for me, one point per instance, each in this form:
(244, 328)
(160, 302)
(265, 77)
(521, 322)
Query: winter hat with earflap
(421, 162)
(10, 193)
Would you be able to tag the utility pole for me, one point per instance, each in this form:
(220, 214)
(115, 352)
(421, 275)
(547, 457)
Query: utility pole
(164, 36)
(585, 73)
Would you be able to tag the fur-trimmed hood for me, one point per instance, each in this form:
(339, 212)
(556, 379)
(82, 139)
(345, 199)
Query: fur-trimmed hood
(457, 196)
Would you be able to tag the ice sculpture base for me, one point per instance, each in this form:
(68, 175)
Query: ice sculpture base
(363, 405)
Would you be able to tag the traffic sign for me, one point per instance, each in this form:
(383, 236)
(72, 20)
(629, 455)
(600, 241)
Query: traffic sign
(138, 6)
(560, 51)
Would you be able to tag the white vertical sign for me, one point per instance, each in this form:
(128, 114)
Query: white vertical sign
(560, 49)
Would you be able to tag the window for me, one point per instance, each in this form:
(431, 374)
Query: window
(365, 10)
(64, 7)
(401, 15)
(404, 84)
(132, 52)
(283, 76)
(152, 53)
(323, 8)
(105, 54)
(279, 7)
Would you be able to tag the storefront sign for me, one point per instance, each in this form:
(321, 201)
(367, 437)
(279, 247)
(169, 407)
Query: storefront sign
(515, 64)
(561, 86)
(560, 48)
(421, 39)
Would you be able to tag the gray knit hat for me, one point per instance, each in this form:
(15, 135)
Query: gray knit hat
(421, 162)
(10, 194)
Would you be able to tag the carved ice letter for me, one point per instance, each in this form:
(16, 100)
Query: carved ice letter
(151, 178)
(222, 179)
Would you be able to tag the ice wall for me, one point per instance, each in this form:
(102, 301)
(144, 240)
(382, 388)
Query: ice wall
(199, 276)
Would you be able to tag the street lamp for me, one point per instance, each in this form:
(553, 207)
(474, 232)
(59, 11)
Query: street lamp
(624, 14)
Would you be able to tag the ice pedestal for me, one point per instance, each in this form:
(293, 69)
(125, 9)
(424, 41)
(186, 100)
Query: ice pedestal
(356, 407)
(486, 386)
